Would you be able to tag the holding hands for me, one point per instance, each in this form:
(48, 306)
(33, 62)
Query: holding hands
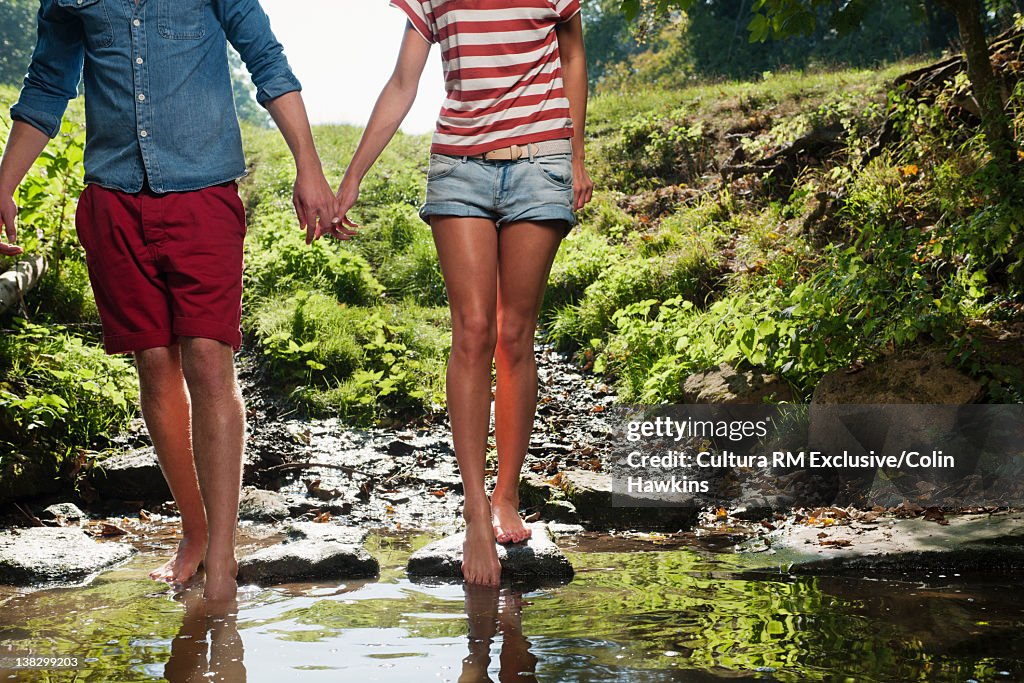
(317, 208)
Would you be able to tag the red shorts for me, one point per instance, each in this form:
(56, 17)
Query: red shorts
(164, 266)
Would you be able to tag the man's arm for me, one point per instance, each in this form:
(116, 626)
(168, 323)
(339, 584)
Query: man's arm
(247, 28)
(52, 80)
(313, 198)
(23, 148)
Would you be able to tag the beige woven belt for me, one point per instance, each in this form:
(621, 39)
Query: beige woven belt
(537, 149)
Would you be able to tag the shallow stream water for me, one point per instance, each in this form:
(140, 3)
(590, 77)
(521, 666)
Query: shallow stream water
(636, 611)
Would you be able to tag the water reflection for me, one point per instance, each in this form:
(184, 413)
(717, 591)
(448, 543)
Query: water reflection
(491, 611)
(208, 646)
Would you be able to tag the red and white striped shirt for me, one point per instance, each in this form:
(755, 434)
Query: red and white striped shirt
(502, 70)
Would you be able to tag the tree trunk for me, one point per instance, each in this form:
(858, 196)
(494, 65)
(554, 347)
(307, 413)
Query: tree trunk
(987, 90)
(16, 282)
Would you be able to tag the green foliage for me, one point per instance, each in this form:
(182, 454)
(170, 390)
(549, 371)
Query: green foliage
(364, 363)
(244, 93)
(402, 248)
(680, 264)
(656, 149)
(17, 38)
(59, 391)
(278, 259)
(725, 38)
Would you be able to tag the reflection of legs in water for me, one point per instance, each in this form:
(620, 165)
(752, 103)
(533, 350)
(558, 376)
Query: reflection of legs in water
(517, 662)
(489, 609)
(189, 662)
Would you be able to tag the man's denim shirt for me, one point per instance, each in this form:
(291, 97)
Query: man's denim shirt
(158, 99)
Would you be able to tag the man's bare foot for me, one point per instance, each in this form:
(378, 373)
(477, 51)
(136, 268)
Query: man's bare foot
(480, 563)
(508, 525)
(221, 580)
(186, 560)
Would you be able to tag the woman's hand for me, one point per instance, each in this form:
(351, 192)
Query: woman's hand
(346, 198)
(582, 185)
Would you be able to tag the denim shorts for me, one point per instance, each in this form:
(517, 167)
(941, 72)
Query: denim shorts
(537, 189)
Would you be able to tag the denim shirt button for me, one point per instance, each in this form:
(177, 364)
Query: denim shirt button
(136, 22)
(143, 134)
(138, 60)
(142, 98)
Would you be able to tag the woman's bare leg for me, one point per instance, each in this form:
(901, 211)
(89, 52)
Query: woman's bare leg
(526, 251)
(468, 251)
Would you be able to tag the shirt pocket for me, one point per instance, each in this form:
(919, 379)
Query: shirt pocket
(96, 25)
(182, 19)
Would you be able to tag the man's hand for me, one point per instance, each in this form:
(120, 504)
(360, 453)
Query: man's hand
(9, 217)
(314, 204)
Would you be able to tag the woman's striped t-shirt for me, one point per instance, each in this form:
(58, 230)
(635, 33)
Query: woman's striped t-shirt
(502, 70)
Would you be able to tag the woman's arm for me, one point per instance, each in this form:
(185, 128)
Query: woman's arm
(574, 77)
(392, 106)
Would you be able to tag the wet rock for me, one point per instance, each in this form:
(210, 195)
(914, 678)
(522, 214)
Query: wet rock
(591, 494)
(55, 554)
(311, 552)
(727, 385)
(133, 475)
(917, 545)
(538, 557)
(560, 511)
(923, 378)
(534, 490)
(400, 448)
(22, 477)
(442, 473)
(62, 513)
(262, 506)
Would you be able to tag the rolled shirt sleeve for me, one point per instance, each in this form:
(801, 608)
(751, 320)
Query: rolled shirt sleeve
(566, 9)
(54, 72)
(421, 16)
(247, 28)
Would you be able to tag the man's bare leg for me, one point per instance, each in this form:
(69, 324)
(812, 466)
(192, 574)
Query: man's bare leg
(468, 250)
(165, 408)
(218, 437)
(526, 251)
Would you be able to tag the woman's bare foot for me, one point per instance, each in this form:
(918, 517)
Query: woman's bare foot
(508, 525)
(221, 580)
(186, 560)
(480, 563)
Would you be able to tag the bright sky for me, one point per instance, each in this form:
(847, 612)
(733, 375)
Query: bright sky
(343, 51)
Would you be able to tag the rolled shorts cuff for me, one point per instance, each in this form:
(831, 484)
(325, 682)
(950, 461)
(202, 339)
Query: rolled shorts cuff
(544, 212)
(138, 341)
(453, 209)
(208, 329)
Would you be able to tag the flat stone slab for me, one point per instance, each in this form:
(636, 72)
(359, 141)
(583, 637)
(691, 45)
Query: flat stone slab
(311, 552)
(968, 542)
(538, 557)
(55, 555)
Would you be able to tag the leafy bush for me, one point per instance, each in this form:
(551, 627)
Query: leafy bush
(59, 392)
(279, 260)
(401, 248)
(652, 149)
(363, 363)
